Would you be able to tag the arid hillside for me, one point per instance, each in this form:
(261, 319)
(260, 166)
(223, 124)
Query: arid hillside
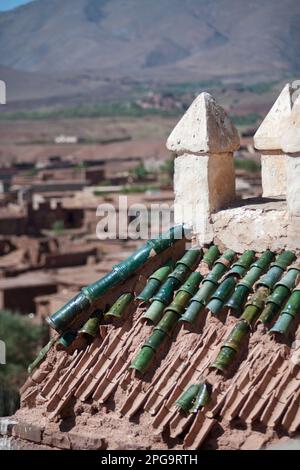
(75, 45)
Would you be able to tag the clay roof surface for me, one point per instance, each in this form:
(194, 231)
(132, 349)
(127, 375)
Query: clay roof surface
(253, 402)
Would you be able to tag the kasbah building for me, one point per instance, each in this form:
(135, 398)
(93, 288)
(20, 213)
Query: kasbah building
(193, 341)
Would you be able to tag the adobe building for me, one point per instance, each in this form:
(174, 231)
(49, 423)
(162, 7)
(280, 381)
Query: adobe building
(12, 222)
(26, 254)
(193, 341)
(22, 290)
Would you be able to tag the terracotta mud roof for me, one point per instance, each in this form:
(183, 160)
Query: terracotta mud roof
(7, 213)
(90, 201)
(37, 278)
(184, 353)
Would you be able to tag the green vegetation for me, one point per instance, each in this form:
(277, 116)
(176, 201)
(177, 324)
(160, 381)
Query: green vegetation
(102, 110)
(58, 227)
(32, 172)
(112, 110)
(100, 193)
(247, 164)
(178, 88)
(140, 172)
(246, 120)
(130, 189)
(105, 183)
(168, 167)
(132, 109)
(260, 88)
(22, 339)
(190, 87)
(81, 166)
(104, 141)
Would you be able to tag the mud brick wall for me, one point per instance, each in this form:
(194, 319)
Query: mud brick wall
(12, 298)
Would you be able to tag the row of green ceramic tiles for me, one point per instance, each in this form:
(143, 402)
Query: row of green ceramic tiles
(271, 291)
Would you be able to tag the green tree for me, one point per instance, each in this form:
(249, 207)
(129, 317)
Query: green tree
(81, 166)
(58, 227)
(22, 341)
(140, 172)
(168, 168)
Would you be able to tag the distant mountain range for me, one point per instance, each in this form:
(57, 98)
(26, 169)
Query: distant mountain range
(52, 48)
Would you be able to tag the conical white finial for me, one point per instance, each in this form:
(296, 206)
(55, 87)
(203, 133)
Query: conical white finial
(269, 134)
(290, 141)
(204, 128)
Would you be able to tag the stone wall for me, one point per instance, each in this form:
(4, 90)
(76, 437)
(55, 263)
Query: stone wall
(259, 224)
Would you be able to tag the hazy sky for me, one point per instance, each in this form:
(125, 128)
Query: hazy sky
(10, 4)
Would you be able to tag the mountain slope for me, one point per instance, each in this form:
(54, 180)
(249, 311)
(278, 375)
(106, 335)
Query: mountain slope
(142, 38)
